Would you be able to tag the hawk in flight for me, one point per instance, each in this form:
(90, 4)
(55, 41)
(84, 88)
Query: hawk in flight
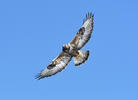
(71, 50)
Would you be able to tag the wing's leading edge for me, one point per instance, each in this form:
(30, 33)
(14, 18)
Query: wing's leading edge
(84, 33)
(57, 65)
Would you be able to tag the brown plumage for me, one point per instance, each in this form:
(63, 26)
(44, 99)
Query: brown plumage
(71, 49)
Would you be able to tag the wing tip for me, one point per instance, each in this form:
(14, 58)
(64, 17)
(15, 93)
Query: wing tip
(42, 75)
(38, 76)
(89, 15)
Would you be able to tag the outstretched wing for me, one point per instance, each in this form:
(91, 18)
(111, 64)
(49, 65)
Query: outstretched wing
(57, 65)
(84, 33)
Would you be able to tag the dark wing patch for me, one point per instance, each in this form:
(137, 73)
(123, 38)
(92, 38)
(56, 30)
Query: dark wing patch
(50, 66)
(57, 65)
(81, 31)
(84, 33)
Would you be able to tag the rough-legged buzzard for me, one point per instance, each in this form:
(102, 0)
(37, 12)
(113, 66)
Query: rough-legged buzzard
(71, 49)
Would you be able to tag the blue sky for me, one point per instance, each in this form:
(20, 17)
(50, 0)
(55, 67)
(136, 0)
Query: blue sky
(31, 36)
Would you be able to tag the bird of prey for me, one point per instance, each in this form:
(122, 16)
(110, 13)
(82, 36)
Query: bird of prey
(71, 50)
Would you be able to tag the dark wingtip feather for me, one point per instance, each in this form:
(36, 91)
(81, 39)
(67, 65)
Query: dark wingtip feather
(38, 76)
(88, 16)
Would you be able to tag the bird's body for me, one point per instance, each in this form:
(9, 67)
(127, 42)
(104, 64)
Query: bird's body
(71, 50)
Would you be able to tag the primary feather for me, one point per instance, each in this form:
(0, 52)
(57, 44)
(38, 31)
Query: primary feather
(57, 65)
(84, 33)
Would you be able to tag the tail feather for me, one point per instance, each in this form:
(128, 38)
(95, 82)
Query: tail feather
(81, 57)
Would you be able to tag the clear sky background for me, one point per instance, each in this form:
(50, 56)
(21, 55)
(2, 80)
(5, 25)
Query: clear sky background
(31, 36)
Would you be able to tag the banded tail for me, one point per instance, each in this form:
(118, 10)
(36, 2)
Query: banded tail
(81, 57)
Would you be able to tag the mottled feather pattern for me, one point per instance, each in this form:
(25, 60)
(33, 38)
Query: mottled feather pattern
(71, 49)
(56, 66)
(88, 25)
(84, 33)
(81, 57)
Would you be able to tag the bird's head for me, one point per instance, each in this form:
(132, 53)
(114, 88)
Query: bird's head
(66, 48)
